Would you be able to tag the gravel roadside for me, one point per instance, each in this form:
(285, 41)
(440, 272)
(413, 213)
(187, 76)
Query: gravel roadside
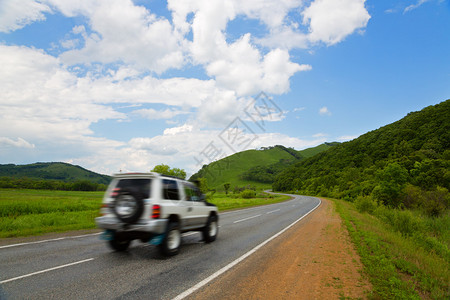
(314, 259)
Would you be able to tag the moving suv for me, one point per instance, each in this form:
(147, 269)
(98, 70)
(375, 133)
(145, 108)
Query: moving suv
(155, 209)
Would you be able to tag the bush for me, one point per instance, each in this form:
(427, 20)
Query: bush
(433, 203)
(403, 221)
(247, 194)
(365, 204)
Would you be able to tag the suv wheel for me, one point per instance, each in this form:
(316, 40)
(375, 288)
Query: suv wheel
(211, 229)
(170, 245)
(119, 244)
(128, 206)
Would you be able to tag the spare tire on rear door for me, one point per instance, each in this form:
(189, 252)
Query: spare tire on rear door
(128, 205)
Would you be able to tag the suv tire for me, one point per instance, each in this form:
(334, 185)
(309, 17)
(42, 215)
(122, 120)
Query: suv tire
(170, 245)
(211, 229)
(128, 206)
(119, 244)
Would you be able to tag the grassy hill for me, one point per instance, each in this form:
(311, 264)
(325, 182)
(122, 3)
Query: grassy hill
(267, 161)
(403, 163)
(52, 171)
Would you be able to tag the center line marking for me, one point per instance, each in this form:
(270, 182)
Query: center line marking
(272, 211)
(47, 270)
(51, 240)
(246, 219)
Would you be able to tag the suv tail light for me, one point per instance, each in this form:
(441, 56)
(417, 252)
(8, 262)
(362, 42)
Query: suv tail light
(156, 211)
(104, 209)
(115, 192)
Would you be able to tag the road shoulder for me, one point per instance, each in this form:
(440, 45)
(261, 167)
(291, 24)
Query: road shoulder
(314, 259)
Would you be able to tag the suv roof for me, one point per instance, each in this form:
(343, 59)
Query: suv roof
(150, 174)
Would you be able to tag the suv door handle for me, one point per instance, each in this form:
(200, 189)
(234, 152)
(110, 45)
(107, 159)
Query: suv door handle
(189, 208)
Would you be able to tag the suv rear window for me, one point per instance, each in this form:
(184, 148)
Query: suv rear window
(141, 186)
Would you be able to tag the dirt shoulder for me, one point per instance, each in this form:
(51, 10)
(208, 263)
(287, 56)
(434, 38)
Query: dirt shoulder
(314, 259)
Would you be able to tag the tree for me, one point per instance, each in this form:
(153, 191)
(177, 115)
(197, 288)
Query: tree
(392, 179)
(203, 185)
(166, 170)
(226, 186)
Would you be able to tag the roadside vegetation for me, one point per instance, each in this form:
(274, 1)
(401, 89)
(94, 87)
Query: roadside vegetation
(246, 198)
(405, 253)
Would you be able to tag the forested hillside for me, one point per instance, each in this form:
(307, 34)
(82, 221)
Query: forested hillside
(254, 167)
(405, 163)
(53, 175)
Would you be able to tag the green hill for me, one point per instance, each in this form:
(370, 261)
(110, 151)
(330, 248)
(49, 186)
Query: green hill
(399, 164)
(253, 167)
(52, 171)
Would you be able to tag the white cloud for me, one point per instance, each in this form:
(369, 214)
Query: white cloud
(123, 32)
(15, 14)
(346, 138)
(319, 135)
(242, 68)
(330, 21)
(414, 6)
(323, 21)
(177, 130)
(153, 114)
(19, 143)
(239, 66)
(323, 111)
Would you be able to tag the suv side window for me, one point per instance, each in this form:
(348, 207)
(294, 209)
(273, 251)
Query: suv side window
(192, 193)
(170, 189)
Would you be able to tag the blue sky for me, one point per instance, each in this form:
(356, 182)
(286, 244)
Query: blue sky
(121, 85)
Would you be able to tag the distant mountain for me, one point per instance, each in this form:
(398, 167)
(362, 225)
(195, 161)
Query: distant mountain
(52, 171)
(410, 156)
(254, 167)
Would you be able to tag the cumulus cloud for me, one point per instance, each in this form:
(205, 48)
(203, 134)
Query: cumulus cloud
(323, 21)
(239, 66)
(323, 111)
(123, 32)
(15, 14)
(19, 143)
(330, 21)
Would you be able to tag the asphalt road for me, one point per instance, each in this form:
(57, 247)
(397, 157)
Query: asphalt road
(84, 267)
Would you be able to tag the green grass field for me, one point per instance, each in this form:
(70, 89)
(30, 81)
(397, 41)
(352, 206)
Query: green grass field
(231, 201)
(34, 212)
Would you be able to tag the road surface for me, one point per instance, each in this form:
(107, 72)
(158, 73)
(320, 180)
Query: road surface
(84, 267)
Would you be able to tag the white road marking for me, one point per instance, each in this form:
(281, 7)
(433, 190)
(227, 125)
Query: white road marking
(52, 240)
(47, 270)
(242, 220)
(272, 211)
(233, 263)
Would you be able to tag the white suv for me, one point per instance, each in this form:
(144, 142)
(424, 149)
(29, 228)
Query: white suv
(155, 208)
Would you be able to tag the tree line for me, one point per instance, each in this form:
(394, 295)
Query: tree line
(44, 184)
